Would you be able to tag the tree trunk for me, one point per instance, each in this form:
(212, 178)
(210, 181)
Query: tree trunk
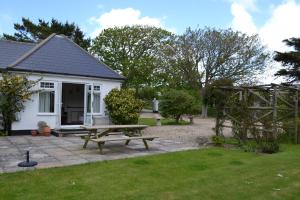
(177, 119)
(204, 111)
(204, 102)
(217, 126)
(7, 125)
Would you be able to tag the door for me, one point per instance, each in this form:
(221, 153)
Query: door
(88, 102)
(58, 104)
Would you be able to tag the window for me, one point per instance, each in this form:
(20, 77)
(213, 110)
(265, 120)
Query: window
(96, 102)
(46, 97)
(46, 85)
(96, 99)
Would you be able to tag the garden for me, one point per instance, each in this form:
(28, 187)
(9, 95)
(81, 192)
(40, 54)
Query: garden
(202, 72)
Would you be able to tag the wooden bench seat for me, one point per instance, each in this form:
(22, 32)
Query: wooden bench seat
(101, 141)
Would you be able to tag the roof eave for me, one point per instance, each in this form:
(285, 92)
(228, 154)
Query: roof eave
(121, 78)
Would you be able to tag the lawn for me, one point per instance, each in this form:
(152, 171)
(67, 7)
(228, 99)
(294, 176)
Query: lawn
(164, 121)
(214, 173)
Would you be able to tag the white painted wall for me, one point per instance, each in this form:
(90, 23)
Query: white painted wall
(29, 117)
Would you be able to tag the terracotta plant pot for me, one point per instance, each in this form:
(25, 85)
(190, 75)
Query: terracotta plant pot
(46, 131)
(34, 133)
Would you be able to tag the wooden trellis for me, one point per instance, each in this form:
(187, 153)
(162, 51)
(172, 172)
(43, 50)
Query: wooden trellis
(268, 102)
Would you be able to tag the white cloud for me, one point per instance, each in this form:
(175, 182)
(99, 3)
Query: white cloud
(122, 17)
(282, 24)
(248, 4)
(242, 20)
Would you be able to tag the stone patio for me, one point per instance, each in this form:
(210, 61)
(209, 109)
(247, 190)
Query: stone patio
(63, 151)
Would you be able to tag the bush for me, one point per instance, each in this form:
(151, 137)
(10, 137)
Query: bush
(15, 90)
(123, 107)
(176, 103)
(217, 140)
(269, 147)
(249, 146)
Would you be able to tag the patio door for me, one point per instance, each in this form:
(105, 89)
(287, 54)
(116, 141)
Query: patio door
(92, 104)
(58, 104)
(88, 102)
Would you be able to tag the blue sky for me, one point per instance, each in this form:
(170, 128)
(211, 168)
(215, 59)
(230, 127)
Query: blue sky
(272, 20)
(174, 14)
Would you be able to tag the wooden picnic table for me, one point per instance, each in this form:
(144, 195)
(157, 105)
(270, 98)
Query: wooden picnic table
(97, 134)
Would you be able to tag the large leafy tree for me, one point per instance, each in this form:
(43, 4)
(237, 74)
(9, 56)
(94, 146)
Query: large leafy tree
(29, 31)
(133, 51)
(290, 60)
(201, 56)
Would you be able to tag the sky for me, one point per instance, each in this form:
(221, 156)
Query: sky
(272, 20)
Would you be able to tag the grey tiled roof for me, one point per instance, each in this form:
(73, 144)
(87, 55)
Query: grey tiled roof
(10, 51)
(59, 55)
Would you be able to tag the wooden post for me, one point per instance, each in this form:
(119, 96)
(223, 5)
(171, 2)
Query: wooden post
(296, 116)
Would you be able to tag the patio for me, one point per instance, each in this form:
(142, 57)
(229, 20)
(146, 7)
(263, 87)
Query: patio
(63, 151)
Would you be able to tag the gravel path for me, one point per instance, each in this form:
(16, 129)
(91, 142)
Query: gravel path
(195, 135)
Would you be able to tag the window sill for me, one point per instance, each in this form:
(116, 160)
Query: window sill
(98, 115)
(46, 114)
(95, 114)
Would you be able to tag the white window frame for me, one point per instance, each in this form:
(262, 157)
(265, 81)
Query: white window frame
(97, 92)
(47, 89)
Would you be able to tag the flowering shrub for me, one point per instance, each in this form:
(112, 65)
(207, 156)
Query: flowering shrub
(123, 107)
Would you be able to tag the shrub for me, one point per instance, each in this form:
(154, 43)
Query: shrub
(176, 103)
(217, 140)
(249, 146)
(269, 147)
(15, 90)
(123, 107)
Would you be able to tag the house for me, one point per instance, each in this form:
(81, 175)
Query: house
(72, 83)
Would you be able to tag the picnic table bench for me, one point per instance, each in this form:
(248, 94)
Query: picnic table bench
(131, 132)
(101, 141)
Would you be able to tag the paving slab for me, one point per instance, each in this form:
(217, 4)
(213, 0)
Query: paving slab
(64, 151)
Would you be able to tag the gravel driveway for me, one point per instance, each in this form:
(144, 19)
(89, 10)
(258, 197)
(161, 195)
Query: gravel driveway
(196, 134)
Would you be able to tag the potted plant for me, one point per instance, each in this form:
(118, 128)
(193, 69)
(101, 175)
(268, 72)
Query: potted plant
(43, 128)
(34, 132)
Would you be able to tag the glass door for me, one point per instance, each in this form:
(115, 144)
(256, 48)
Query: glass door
(88, 102)
(92, 102)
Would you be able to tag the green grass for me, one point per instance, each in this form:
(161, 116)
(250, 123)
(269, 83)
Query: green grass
(214, 173)
(152, 122)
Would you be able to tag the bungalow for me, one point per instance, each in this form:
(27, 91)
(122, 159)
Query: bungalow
(72, 87)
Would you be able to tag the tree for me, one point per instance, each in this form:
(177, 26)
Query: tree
(131, 50)
(203, 55)
(28, 31)
(290, 60)
(123, 107)
(176, 103)
(15, 90)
